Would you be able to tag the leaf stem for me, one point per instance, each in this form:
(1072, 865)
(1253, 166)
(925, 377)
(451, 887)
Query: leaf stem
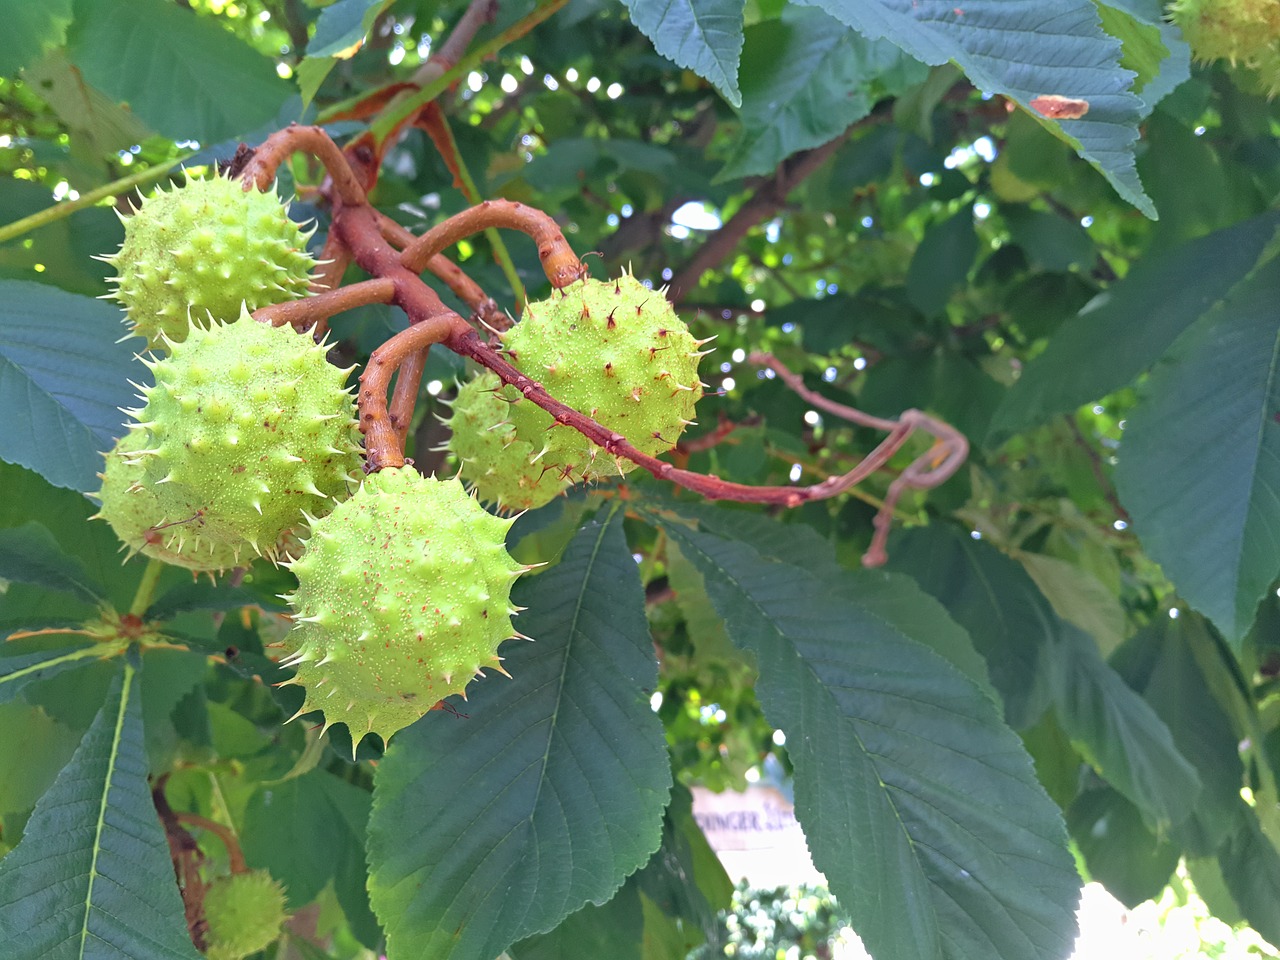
(147, 588)
(406, 104)
(66, 208)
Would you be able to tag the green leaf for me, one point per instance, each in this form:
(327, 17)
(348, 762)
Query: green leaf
(63, 376)
(1153, 47)
(941, 262)
(1120, 852)
(29, 30)
(1078, 597)
(493, 827)
(1169, 662)
(1009, 621)
(98, 122)
(1199, 467)
(1023, 51)
(1123, 737)
(684, 878)
(1251, 869)
(342, 25)
(920, 806)
(614, 930)
(19, 667)
(66, 515)
(899, 600)
(1026, 645)
(29, 554)
(183, 75)
(29, 763)
(200, 595)
(704, 36)
(92, 875)
(317, 804)
(1124, 330)
(1049, 240)
(805, 79)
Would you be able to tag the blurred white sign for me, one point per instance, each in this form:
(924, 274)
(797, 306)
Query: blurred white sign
(756, 836)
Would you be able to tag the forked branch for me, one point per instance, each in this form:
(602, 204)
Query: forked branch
(395, 257)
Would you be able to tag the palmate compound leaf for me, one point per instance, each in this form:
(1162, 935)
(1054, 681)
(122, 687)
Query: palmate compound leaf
(919, 804)
(1024, 50)
(493, 826)
(1199, 467)
(91, 878)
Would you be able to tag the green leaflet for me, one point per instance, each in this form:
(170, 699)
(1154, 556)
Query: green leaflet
(907, 782)
(1023, 51)
(144, 51)
(63, 376)
(92, 877)
(704, 36)
(493, 826)
(1199, 467)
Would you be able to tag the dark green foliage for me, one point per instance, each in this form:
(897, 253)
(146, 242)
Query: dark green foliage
(1073, 646)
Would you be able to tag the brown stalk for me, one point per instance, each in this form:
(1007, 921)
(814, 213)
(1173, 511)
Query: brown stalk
(309, 311)
(559, 262)
(395, 258)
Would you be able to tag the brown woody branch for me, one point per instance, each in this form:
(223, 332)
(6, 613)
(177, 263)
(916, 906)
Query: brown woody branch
(395, 258)
(559, 262)
(483, 307)
(261, 169)
(309, 311)
(766, 202)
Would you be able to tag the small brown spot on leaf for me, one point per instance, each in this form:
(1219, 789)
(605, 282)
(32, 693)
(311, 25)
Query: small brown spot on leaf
(1057, 107)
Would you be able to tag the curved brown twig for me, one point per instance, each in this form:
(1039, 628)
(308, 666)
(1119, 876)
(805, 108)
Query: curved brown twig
(483, 307)
(261, 169)
(931, 468)
(310, 311)
(559, 262)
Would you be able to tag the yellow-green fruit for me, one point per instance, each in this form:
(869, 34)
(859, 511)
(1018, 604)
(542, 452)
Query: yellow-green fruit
(135, 515)
(249, 431)
(1244, 32)
(206, 248)
(616, 351)
(244, 913)
(404, 593)
(500, 452)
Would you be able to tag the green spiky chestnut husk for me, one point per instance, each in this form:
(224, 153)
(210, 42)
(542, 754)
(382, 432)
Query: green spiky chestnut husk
(616, 351)
(404, 593)
(244, 913)
(489, 438)
(135, 514)
(1242, 32)
(203, 249)
(249, 430)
